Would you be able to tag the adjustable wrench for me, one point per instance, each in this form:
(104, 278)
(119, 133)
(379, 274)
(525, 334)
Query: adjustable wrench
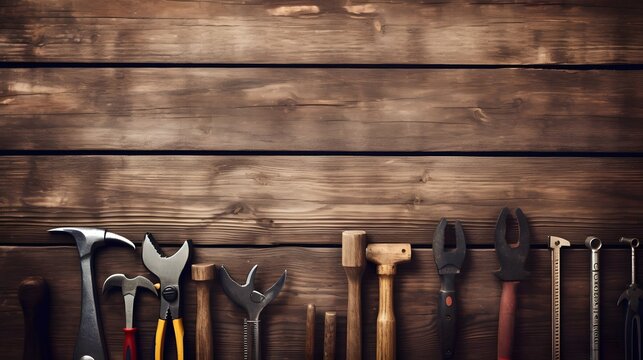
(253, 302)
(555, 243)
(594, 244)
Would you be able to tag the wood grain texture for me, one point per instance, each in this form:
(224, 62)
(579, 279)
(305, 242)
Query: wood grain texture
(315, 274)
(321, 109)
(305, 32)
(236, 200)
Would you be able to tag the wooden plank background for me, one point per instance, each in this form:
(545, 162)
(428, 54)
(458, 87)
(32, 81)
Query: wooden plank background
(262, 129)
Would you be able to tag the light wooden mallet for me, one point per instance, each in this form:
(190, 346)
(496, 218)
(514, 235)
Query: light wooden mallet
(354, 263)
(387, 256)
(203, 275)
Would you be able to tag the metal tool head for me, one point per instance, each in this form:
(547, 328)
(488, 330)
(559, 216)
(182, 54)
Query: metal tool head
(593, 243)
(557, 242)
(512, 258)
(633, 294)
(449, 261)
(87, 239)
(632, 242)
(128, 286)
(246, 296)
(128, 289)
(168, 270)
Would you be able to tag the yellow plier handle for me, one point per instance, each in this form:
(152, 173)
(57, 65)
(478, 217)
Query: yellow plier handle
(160, 338)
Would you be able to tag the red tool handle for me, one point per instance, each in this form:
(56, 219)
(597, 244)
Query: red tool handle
(129, 346)
(506, 320)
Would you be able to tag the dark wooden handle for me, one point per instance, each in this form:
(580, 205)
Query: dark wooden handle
(34, 298)
(506, 319)
(310, 332)
(203, 276)
(330, 330)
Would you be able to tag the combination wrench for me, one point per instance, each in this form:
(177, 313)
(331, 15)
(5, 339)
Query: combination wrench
(594, 244)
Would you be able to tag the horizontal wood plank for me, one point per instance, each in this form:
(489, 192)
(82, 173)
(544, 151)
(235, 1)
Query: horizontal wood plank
(237, 200)
(405, 32)
(315, 276)
(321, 109)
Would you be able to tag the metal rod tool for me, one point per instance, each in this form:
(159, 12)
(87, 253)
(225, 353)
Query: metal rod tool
(594, 244)
(555, 244)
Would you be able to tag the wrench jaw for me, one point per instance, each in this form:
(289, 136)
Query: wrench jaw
(245, 296)
(449, 261)
(512, 259)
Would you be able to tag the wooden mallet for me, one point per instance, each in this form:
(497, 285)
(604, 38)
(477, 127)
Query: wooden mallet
(387, 256)
(354, 263)
(203, 275)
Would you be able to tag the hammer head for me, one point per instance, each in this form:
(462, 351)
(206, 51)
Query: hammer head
(388, 254)
(128, 286)
(556, 242)
(87, 239)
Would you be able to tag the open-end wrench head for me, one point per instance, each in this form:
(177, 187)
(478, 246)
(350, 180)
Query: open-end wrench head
(512, 258)
(168, 270)
(449, 261)
(245, 296)
(557, 242)
(87, 239)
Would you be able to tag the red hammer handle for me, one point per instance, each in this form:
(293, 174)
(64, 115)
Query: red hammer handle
(506, 319)
(129, 346)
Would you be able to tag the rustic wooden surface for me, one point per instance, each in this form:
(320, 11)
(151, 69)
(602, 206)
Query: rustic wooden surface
(321, 109)
(266, 200)
(315, 276)
(223, 122)
(306, 32)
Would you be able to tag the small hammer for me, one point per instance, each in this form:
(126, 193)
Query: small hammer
(128, 288)
(387, 256)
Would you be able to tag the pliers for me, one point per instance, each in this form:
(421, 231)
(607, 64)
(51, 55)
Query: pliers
(168, 270)
(448, 264)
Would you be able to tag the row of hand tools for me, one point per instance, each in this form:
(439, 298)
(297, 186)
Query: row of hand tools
(355, 253)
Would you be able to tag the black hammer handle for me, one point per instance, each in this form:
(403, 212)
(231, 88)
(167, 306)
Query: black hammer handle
(34, 298)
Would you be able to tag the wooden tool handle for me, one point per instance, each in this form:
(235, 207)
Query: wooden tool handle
(506, 319)
(330, 329)
(203, 275)
(386, 320)
(310, 332)
(354, 263)
(34, 298)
